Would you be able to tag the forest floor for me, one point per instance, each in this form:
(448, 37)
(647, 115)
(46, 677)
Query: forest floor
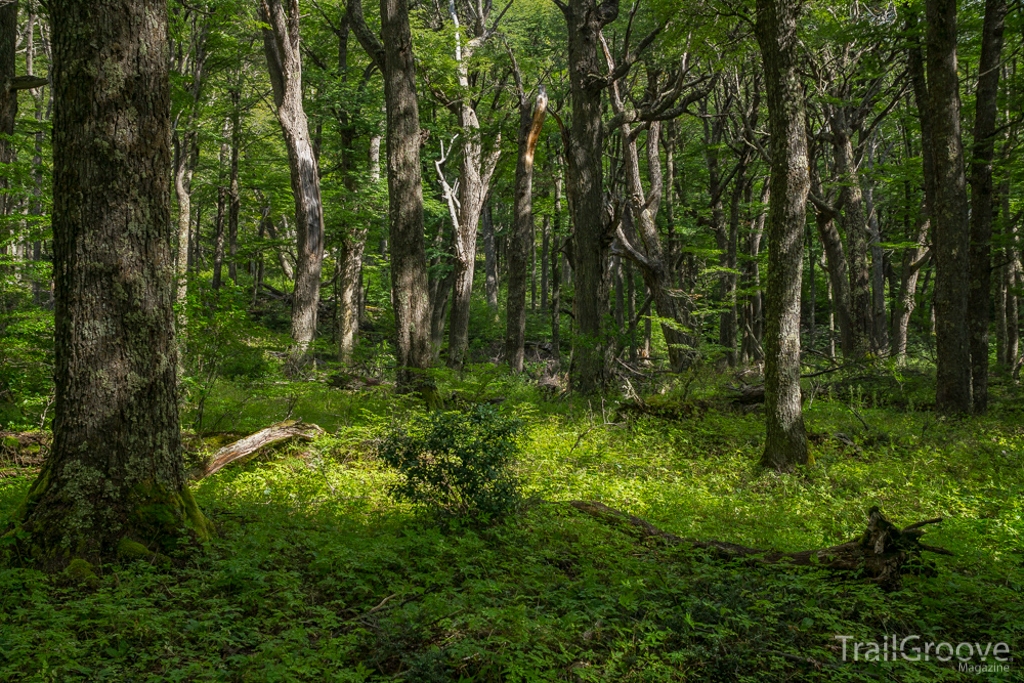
(316, 574)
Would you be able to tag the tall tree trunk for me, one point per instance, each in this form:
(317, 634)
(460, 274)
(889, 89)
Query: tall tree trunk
(982, 206)
(114, 479)
(234, 200)
(786, 441)
(475, 171)
(281, 43)
(591, 226)
(531, 119)
(753, 325)
(949, 213)
(545, 247)
(409, 283)
(218, 226)
(8, 96)
(349, 273)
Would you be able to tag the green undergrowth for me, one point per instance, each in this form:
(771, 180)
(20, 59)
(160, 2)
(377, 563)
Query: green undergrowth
(316, 574)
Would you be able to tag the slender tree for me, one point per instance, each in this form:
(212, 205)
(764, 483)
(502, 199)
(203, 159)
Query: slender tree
(531, 120)
(982, 206)
(114, 480)
(281, 43)
(776, 29)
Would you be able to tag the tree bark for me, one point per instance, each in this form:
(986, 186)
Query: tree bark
(218, 234)
(114, 480)
(490, 259)
(949, 214)
(856, 228)
(592, 229)
(234, 199)
(531, 120)
(982, 206)
(786, 441)
(281, 43)
(8, 95)
(475, 171)
(409, 284)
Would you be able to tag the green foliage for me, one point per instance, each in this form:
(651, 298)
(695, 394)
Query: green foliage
(458, 464)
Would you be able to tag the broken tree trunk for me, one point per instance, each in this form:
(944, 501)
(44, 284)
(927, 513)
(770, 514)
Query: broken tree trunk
(243, 448)
(882, 553)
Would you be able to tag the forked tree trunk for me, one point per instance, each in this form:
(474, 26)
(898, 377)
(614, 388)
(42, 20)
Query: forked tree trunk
(785, 442)
(949, 214)
(284, 60)
(981, 197)
(475, 171)
(114, 478)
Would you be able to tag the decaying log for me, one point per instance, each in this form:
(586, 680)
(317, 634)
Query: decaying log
(882, 553)
(243, 448)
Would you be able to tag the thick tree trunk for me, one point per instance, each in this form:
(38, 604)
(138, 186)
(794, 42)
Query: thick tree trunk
(592, 234)
(281, 46)
(982, 207)
(786, 442)
(114, 480)
(531, 119)
(949, 214)
(409, 283)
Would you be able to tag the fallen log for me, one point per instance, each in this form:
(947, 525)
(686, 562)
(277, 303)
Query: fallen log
(882, 553)
(245, 447)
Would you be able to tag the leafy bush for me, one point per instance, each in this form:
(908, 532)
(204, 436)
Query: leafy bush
(460, 464)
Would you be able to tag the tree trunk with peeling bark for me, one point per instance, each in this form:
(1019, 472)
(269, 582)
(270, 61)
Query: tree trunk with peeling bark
(114, 481)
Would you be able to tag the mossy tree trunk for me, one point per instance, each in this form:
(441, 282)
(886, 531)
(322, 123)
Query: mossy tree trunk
(786, 441)
(114, 479)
